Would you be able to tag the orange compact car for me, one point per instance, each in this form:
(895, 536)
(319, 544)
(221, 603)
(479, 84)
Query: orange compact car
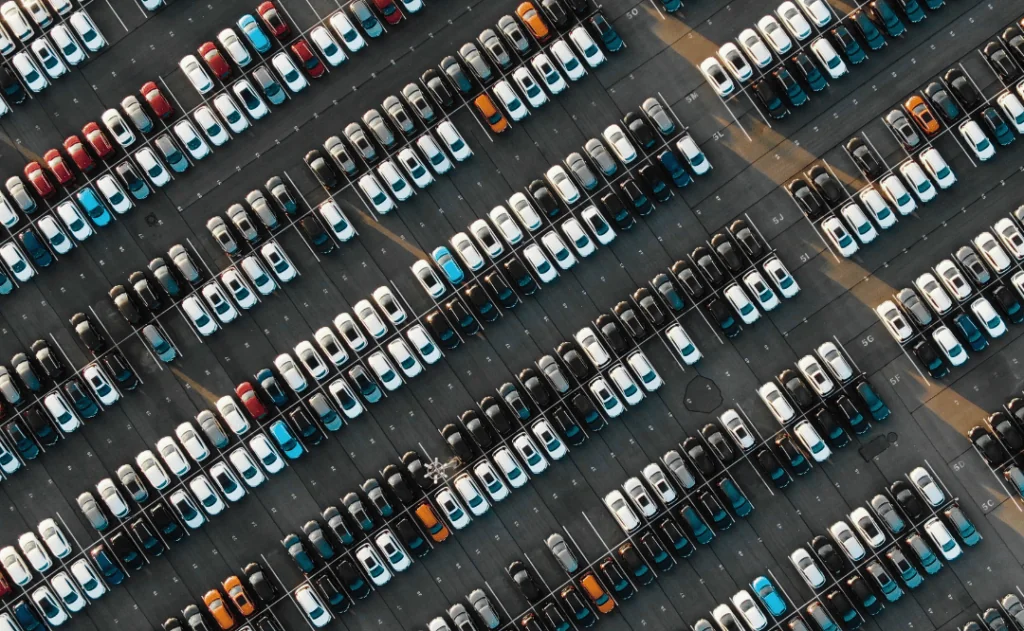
(215, 604)
(233, 587)
(438, 531)
(533, 21)
(922, 115)
(495, 119)
(597, 594)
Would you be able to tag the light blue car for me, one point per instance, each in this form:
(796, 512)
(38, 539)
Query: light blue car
(93, 207)
(286, 439)
(444, 260)
(252, 31)
(366, 18)
(768, 595)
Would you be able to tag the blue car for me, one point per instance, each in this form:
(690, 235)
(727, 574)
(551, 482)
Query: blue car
(680, 176)
(879, 410)
(35, 249)
(997, 125)
(266, 379)
(93, 207)
(672, 6)
(970, 331)
(913, 11)
(366, 18)
(449, 266)
(740, 505)
(107, 566)
(768, 596)
(254, 33)
(286, 439)
(610, 37)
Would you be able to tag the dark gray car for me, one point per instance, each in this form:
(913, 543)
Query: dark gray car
(379, 127)
(269, 85)
(563, 554)
(913, 305)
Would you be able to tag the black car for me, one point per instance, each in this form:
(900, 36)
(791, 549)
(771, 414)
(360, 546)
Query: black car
(768, 96)
(990, 449)
(793, 457)
(145, 536)
(797, 388)
(964, 89)
(501, 290)
(322, 168)
(399, 484)
(864, 595)
(831, 558)
(707, 263)
(309, 432)
(930, 358)
(12, 87)
(807, 70)
(551, 613)
(631, 320)
(1016, 408)
(442, 330)
(728, 252)
(497, 415)
(90, 335)
(40, 426)
(640, 130)
(49, 360)
(612, 206)
(525, 580)
(635, 564)
(1008, 303)
(609, 329)
(481, 303)
(720, 518)
(334, 598)
(477, 429)
(850, 415)
(747, 238)
(411, 537)
(317, 235)
(567, 426)
(537, 387)
(720, 444)
(675, 538)
(636, 196)
(462, 317)
(80, 398)
(1001, 61)
(943, 102)
(721, 314)
(1014, 42)
(351, 579)
(519, 277)
(689, 279)
(417, 470)
(164, 520)
(662, 283)
(586, 411)
(864, 157)
(544, 199)
(654, 176)
(805, 198)
(825, 185)
(126, 551)
(655, 551)
(431, 80)
(125, 304)
(457, 443)
(700, 457)
(841, 608)
(576, 606)
(260, 582)
(649, 307)
(830, 429)
(908, 500)
(615, 579)
(118, 368)
(789, 86)
(770, 467)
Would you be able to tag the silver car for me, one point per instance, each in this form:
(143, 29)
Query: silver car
(471, 56)
(221, 234)
(563, 554)
(261, 207)
(136, 113)
(358, 139)
(16, 189)
(239, 218)
(379, 128)
(495, 49)
(179, 256)
(270, 86)
(600, 156)
(91, 510)
(581, 170)
(510, 29)
(677, 467)
(482, 606)
(339, 153)
(419, 102)
(553, 373)
(913, 305)
(211, 427)
(396, 112)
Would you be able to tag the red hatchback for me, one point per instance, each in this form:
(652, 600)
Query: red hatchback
(36, 176)
(214, 60)
(5, 588)
(59, 167)
(309, 61)
(251, 400)
(392, 14)
(79, 155)
(272, 18)
(156, 99)
(98, 141)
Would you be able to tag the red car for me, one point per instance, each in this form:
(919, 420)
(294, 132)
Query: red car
(5, 588)
(214, 60)
(272, 18)
(156, 99)
(60, 169)
(79, 155)
(36, 176)
(98, 141)
(392, 14)
(309, 61)
(251, 400)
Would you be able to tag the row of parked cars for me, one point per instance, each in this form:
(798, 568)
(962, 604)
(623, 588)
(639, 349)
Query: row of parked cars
(957, 294)
(996, 617)
(859, 547)
(1000, 439)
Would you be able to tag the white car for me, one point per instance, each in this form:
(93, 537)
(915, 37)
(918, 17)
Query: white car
(1011, 237)
(153, 166)
(345, 398)
(510, 467)
(206, 494)
(815, 375)
(847, 540)
(563, 184)
(267, 453)
(683, 345)
(741, 304)
(867, 527)
(644, 370)
(535, 461)
(626, 385)
(777, 37)
(397, 184)
(992, 252)
(219, 302)
(403, 356)
(529, 87)
(68, 592)
(639, 498)
(553, 445)
(15, 566)
(196, 74)
(198, 314)
(232, 415)
(621, 510)
(976, 139)
(112, 498)
(567, 59)
(211, 125)
(329, 49)
(953, 279)
(658, 481)
(918, 181)
(776, 402)
(8, 216)
(114, 194)
(735, 62)
(781, 277)
(603, 231)
(829, 58)
(393, 551)
(467, 251)
(191, 441)
(29, 71)
(931, 492)
(610, 403)
(16, 22)
(311, 604)
(936, 166)
(336, 220)
(840, 237)
(389, 304)
(346, 31)
(370, 319)
(372, 563)
(506, 225)
(540, 263)
(509, 100)
(835, 361)
(491, 481)
(151, 468)
(87, 577)
(54, 538)
(226, 481)
(48, 58)
(234, 47)
(749, 610)
(554, 244)
(190, 138)
(350, 332)
(100, 384)
(524, 211)
(87, 30)
(246, 467)
(172, 456)
(380, 200)
(239, 288)
(754, 47)
(228, 110)
(290, 372)
(250, 99)
(117, 127)
(414, 168)
(587, 46)
(552, 78)
(942, 539)
(990, 320)
(49, 606)
(949, 345)
(862, 226)
(59, 241)
(733, 423)
(716, 77)
(471, 494)
(933, 292)
(453, 140)
(794, 21)
(893, 320)
(812, 441)
(385, 372)
(457, 515)
(34, 551)
(619, 143)
(283, 268)
(875, 203)
(592, 346)
(67, 44)
(428, 278)
(186, 508)
(1013, 109)
(817, 11)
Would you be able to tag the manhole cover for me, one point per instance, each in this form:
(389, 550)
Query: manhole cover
(151, 219)
(702, 395)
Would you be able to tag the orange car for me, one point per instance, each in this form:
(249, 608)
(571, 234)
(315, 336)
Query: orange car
(532, 20)
(233, 587)
(215, 604)
(495, 119)
(438, 531)
(922, 115)
(597, 594)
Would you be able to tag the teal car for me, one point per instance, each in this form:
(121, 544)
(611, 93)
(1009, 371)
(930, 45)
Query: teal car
(451, 269)
(93, 207)
(285, 439)
(879, 410)
(768, 596)
(254, 33)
